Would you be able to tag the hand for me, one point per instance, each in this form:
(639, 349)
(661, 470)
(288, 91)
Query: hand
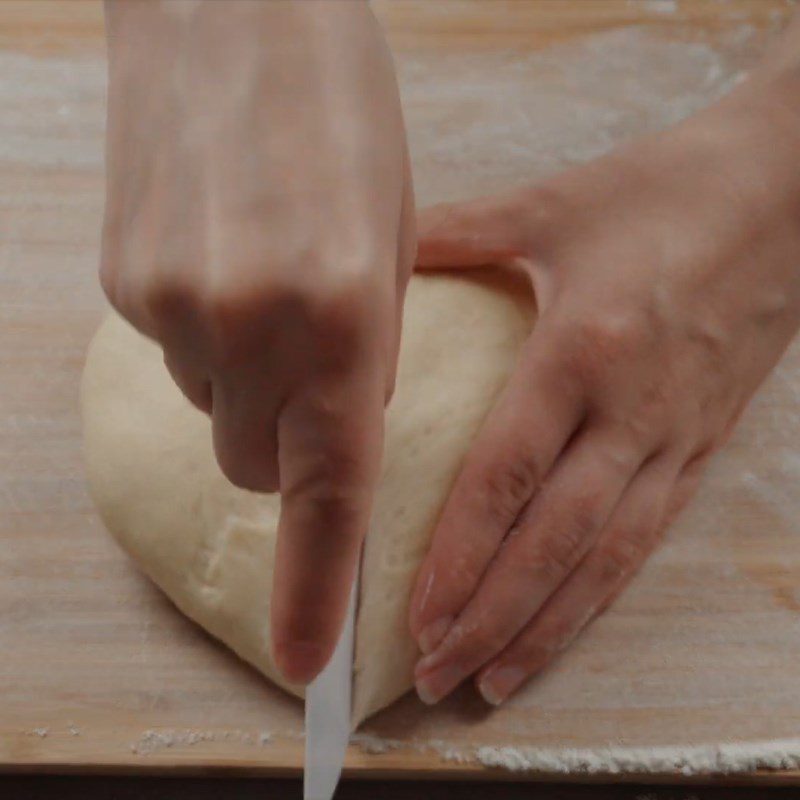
(667, 277)
(259, 225)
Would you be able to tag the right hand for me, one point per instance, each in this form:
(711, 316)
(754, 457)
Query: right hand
(259, 226)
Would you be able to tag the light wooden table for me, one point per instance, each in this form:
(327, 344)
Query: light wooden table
(50, 305)
(76, 26)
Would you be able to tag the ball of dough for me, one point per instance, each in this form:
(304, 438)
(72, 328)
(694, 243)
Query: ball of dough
(209, 546)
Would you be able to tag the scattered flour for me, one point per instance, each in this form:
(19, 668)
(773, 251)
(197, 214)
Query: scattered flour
(724, 758)
(375, 745)
(153, 741)
(712, 759)
(666, 7)
(562, 105)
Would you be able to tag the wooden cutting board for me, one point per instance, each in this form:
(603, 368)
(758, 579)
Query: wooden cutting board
(99, 672)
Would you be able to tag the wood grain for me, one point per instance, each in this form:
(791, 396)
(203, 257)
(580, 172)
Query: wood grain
(93, 658)
(72, 26)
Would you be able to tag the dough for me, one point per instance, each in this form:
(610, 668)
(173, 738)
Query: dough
(209, 545)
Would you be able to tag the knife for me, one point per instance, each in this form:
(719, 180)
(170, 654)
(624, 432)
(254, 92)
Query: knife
(328, 700)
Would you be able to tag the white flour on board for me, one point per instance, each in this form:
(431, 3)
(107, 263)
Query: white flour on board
(710, 759)
(724, 758)
(599, 90)
(666, 7)
(154, 741)
(540, 111)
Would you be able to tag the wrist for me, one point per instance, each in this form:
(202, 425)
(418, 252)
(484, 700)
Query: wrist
(229, 37)
(751, 141)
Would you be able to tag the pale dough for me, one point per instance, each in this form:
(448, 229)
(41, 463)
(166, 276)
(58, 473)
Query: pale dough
(209, 546)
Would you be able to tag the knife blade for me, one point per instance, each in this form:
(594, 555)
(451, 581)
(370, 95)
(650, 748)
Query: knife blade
(327, 715)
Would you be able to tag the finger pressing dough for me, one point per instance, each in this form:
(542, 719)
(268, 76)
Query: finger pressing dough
(209, 546)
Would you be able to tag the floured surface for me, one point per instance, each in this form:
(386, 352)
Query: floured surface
(703, 647)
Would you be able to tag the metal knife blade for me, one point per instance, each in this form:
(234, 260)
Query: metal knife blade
(327, 722)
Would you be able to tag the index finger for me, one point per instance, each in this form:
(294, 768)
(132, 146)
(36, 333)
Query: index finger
(329, 448)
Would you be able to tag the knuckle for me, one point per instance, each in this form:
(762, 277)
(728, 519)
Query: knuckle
(237, 317)
(618, 457)
(647, 425)
(509, 487)
(659, 410)
(340, 465)
(339, 513)
(555, 635)
(465, 567)
(541, 642)
(649, 422)
(335, 312)
(342, 308)
(710, 339)
(537, 655)
(230, 305)
(621, 556)
(584, 516)
(609, 336)
(557, 555)
(330, 503)
(164, 297)
(488, 639)
(594, 344)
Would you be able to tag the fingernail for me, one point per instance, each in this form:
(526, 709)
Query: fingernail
(433, 687)
(425, 693)
(499, 683)
(426, 664)
(299, 661)
(432, 635)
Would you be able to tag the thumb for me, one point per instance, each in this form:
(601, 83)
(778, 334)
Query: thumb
(490, 231)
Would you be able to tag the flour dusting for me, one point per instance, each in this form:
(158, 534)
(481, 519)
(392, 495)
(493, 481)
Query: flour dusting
(665, 7)
(481, 120)
(711, 759)
(154, 741)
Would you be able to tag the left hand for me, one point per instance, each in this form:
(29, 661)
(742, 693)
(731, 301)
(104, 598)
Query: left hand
(667, 278)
